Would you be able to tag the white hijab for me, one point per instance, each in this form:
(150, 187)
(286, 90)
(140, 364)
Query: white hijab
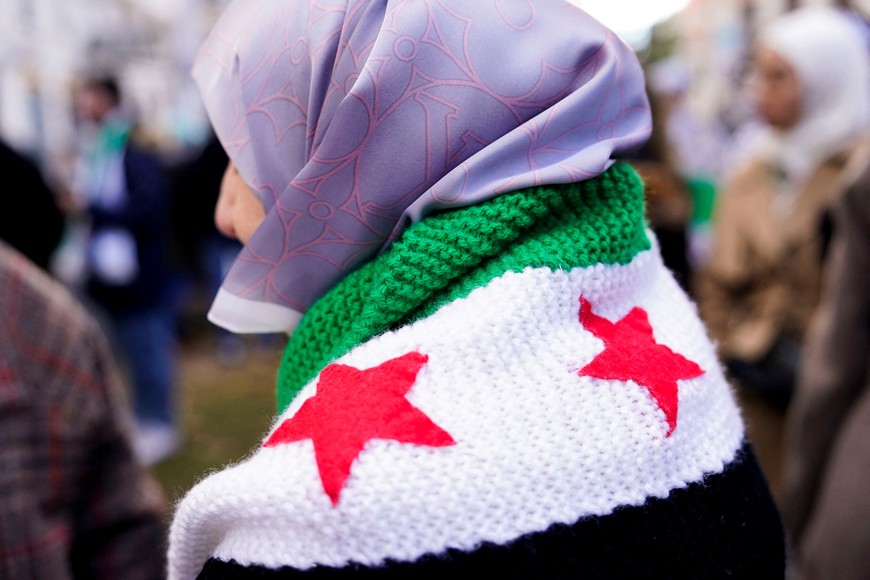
(829, 55)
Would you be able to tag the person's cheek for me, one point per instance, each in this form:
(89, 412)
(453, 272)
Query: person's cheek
(248, 215)
(223, 213)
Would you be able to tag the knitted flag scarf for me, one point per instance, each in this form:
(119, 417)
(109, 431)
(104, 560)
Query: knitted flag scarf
(517, 388)
(351, 119)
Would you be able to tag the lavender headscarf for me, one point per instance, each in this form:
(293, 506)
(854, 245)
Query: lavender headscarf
(351, 119)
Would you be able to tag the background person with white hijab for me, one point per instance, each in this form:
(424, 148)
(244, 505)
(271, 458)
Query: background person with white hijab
(762, 284)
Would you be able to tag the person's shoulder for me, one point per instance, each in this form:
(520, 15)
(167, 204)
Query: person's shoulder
(28, 294)
(746, 178)
(141, 141)
(856, 197)
(855, 166)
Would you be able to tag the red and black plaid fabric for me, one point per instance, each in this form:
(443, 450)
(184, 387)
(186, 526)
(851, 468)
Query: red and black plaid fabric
(73, 501)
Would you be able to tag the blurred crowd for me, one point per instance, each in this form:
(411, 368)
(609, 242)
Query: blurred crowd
(133, 237)
(765, 223)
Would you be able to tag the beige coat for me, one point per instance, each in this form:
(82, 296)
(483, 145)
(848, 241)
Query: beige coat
(763, 277)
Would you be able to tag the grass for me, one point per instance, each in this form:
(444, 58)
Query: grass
(225, 412)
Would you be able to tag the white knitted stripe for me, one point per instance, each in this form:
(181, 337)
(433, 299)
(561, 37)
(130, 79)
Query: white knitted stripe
(536, 443)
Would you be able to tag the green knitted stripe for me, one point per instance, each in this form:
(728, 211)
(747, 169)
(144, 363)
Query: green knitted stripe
(446, 256)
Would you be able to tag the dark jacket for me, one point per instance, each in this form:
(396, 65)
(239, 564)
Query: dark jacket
(146, 217)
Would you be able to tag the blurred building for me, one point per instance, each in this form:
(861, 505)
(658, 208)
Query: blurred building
(47, 45)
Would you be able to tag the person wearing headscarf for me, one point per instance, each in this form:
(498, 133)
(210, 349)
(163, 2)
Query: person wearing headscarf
(762, 283)
(490, 371)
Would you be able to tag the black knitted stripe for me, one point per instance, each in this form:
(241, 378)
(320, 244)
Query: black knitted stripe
(723, 527)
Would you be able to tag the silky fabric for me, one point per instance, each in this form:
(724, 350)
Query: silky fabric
(351, 119)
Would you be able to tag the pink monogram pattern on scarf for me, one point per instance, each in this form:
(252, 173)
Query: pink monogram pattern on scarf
(353, 118)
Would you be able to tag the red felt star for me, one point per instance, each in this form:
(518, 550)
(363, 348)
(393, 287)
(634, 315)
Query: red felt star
(354, 406)
(631, 353)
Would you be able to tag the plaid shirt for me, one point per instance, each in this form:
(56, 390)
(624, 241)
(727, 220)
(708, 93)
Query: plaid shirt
(73, 501)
